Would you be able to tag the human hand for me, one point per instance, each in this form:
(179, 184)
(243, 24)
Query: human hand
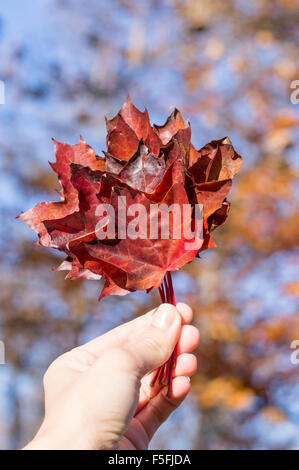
(98, 396)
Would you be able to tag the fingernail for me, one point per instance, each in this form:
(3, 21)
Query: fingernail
(164, 317)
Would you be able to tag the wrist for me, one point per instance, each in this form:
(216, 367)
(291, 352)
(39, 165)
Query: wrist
(56, 439)
(47, 439)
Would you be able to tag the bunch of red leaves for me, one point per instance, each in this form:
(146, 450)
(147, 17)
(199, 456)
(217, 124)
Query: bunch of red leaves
(148, 165)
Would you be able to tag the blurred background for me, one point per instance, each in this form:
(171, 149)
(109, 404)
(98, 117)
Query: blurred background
(228, 66)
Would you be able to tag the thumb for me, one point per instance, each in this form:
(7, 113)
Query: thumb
(154, 346)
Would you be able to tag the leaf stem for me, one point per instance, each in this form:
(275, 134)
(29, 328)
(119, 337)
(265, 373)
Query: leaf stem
(163, 375)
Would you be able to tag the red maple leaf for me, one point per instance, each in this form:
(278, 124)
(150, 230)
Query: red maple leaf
(144, 165)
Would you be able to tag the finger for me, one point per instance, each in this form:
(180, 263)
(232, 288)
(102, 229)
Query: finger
(189, 339)
(118, 336)
(154, 346)
(186, 365)
(160, 407)
(185, 312)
